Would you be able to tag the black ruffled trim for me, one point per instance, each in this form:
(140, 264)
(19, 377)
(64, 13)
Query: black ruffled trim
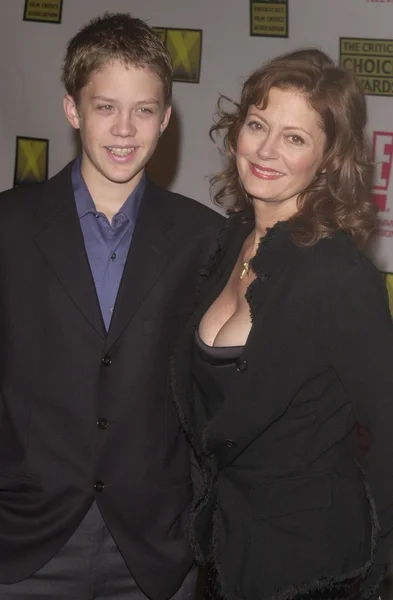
(200, 501)
(347, 590)
(264, 243)
(207, 269)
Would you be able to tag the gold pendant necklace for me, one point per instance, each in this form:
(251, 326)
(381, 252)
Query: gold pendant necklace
(245, 269)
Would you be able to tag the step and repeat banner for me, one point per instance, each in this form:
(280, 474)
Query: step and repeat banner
(214, 45)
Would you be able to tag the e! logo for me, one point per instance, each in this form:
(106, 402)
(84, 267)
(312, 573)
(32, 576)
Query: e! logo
(383, 156)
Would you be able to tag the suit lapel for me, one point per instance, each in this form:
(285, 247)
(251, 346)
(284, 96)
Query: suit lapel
(147, 257)
(61, 242)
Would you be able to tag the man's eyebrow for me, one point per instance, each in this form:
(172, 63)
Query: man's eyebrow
(113, 101)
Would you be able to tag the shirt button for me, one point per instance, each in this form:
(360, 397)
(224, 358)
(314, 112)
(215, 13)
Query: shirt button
(113, 256)
(102, 424)
(230, 443)
(99, 486)
(107, 361)
(241, 365)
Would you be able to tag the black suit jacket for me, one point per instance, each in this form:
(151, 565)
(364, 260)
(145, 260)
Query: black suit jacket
(84, 414)
(285, 507)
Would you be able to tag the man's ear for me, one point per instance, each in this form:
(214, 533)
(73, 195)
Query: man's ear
(166, 117)
(71, 111)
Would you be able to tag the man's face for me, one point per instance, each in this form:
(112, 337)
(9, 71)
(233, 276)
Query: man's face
(120, 115)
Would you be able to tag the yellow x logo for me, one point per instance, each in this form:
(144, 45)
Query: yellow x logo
(184, 46)
(31, 160)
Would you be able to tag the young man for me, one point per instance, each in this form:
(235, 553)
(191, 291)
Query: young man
(98, 270)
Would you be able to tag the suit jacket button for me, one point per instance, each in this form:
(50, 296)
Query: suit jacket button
(102, 423)
(241, 365)
(230, 443)
(99, 486)
(107, 360)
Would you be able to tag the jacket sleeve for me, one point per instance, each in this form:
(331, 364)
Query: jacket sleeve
(360, 332)
(196, 476)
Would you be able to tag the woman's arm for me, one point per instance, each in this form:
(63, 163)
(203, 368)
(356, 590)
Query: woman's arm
(360, 331)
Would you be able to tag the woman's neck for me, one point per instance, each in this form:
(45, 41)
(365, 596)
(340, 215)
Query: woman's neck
(268, 214)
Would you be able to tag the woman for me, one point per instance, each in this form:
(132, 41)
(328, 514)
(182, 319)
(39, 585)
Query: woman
(290, 350)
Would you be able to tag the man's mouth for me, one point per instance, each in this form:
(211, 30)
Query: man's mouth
(120, 151)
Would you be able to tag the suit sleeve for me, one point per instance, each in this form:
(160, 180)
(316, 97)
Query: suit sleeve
(360, 330)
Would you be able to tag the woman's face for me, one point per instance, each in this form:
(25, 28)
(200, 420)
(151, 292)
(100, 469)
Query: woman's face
(280, 149)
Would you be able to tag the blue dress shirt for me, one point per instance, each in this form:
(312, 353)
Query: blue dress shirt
(106, 243)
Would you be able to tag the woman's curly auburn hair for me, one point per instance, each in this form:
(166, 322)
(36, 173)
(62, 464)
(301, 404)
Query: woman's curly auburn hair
(339, 195)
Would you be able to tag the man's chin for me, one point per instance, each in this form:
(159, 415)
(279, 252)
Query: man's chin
(122, 178)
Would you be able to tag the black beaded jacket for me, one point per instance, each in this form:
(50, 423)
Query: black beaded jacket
(288, 505)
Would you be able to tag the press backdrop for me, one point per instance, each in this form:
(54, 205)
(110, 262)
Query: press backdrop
(214, 44)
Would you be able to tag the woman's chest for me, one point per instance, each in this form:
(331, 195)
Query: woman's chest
(227, 321)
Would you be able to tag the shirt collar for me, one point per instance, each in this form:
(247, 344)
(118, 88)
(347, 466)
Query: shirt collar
(84, 202)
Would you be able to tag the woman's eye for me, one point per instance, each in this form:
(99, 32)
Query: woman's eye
(255, 125)
(296, 139)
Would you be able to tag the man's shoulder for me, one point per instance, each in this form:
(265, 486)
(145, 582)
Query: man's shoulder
(20, 202)
(21, 192)
(29, 194)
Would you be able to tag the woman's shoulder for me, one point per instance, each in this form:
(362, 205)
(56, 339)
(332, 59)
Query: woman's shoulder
(338, 259)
